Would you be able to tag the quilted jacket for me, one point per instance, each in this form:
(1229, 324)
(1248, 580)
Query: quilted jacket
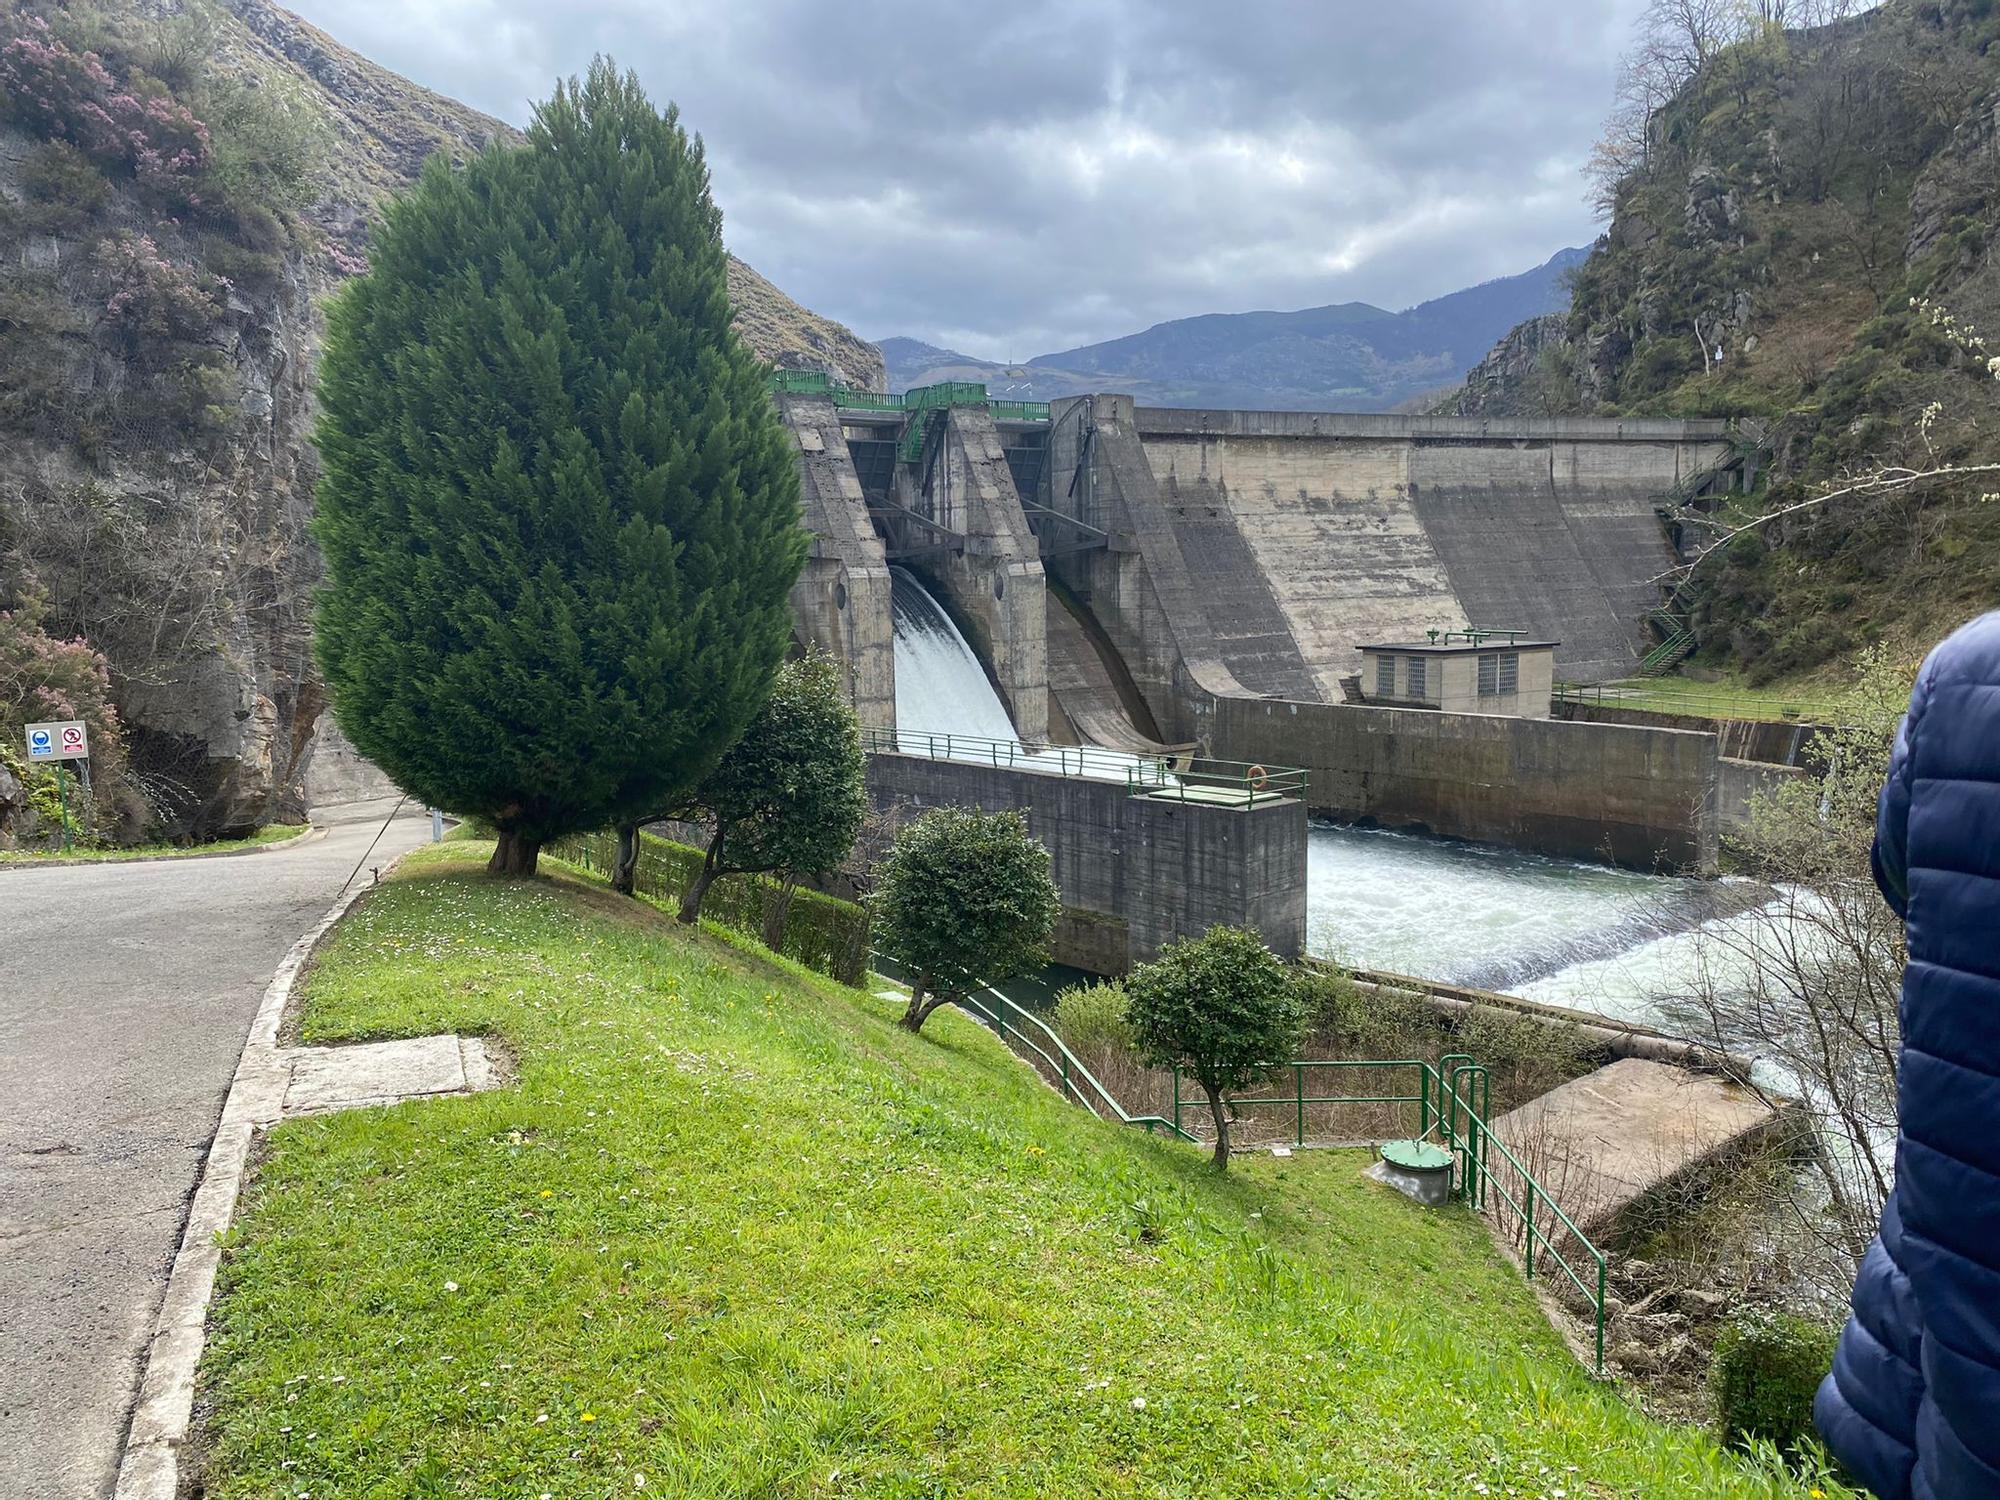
(1913, 1404)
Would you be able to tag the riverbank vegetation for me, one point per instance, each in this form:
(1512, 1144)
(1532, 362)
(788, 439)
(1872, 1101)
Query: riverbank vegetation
(733, 1230)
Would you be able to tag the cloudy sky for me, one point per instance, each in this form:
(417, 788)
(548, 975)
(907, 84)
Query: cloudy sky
(1018, 178)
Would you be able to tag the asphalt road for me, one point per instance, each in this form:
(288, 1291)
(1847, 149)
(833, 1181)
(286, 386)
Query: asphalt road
(126, 992)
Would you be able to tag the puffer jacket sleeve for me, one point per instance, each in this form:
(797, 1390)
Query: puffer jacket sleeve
(1867, 1407)
(1891, 856)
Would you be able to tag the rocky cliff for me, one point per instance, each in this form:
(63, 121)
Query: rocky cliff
(180, 187)
(1804, 234)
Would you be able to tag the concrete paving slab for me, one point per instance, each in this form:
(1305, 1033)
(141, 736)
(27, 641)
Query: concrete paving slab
(1601, 1142)
(328, 1078)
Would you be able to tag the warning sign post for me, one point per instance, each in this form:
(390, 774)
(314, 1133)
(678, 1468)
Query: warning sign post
(62, 741)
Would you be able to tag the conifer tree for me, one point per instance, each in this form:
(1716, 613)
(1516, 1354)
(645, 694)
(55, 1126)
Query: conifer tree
(559, 514)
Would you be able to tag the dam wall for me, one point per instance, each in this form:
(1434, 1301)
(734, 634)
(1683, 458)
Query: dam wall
(1134, 872)
(840, 602)
(994, 581)
(1639, 797)
(1371, 527)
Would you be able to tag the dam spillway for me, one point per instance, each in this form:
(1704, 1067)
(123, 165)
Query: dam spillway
(1136, 578)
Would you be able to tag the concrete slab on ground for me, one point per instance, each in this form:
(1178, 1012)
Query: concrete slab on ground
(1601, 1142)
(354, 1077)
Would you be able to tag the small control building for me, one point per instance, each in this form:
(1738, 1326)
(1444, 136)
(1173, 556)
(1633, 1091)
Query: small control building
(1480, 670)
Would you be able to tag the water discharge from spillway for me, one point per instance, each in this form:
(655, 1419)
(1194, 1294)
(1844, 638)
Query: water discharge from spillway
(1585, 935)
(1558, 930)
(941, 689)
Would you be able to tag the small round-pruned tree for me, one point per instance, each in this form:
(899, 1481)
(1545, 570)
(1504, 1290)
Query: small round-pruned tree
(559, 514)
(964, 898)
(1220, 1008)
(789, 795)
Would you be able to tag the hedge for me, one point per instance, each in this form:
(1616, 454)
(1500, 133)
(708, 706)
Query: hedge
(822, 932)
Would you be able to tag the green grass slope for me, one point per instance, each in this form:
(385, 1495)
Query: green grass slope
(731, 1233)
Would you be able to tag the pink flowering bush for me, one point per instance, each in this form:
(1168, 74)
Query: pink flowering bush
(151, 297)
(70, 95)
(42, 677)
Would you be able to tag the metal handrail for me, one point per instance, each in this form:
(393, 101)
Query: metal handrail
(1065, 1064)
(1698, 705)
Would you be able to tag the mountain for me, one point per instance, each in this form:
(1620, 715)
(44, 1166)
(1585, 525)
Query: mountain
(1821, 206)
(1349, 356)
(181, 184)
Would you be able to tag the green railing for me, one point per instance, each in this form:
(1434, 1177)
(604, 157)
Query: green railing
(1021, 1029)
(1699, 705)
(1020, 411)
(1453, 1099)
(923, 398)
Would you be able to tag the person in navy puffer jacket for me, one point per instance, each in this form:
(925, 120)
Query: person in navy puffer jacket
(1913, 1404)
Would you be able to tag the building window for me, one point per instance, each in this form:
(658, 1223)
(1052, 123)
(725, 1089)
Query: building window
(1417, 665)
(1385, 676)
(1499, 673)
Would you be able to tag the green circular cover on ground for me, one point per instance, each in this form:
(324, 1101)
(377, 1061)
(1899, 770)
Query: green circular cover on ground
(1415, 1155)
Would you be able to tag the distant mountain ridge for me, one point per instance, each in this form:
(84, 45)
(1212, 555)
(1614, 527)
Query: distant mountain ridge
(1349, 356)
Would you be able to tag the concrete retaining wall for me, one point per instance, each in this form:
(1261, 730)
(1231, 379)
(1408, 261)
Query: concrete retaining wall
(1741, 784)
(1644, 798)
(1134, 872)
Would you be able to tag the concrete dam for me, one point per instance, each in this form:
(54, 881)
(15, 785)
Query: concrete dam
(1152, 580)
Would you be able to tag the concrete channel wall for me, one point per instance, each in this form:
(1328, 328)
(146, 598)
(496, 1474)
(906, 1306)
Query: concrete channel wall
(1134, 872)
(841, 600)
(1638, 797)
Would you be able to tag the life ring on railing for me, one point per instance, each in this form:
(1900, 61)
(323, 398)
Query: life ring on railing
(1259, 778)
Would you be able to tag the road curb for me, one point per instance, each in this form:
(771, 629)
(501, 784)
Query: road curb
(150, 1466)
(305, 835)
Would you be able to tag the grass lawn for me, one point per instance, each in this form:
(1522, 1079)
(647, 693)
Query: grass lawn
(1717, 700)
(270, 833)
(732, 1233)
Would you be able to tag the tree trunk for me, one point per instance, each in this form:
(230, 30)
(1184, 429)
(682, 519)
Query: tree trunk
(625, 868)
(919, 1007)
(778, 912)
(515, 855)
(711, 864)
(1221, 1117)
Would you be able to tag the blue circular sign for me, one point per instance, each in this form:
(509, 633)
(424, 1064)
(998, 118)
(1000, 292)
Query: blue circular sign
(39, 739)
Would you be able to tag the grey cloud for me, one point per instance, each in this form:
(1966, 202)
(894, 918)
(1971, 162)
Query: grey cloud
(1012, 180)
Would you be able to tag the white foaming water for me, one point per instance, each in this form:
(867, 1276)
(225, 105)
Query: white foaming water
(943, 697)
(940, 686)
(1558, 930)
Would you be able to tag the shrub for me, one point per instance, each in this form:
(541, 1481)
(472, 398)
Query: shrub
(1093, 1017)
(1222, 1008)
(150, 298)
(963, 899)
(788, 796)
(64, 187)
(70, 95)
(1767, 1367)
(44, 678)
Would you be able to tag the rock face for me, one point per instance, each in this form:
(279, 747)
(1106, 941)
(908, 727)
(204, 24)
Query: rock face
(1515, 379)
(161, 493)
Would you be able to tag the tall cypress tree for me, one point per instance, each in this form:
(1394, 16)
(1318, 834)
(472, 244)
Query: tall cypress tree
(559, 513)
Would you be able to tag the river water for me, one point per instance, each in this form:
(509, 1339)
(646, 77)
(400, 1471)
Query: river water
(1563, 931)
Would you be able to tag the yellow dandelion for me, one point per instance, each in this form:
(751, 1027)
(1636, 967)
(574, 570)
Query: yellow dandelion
(588, 1417)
